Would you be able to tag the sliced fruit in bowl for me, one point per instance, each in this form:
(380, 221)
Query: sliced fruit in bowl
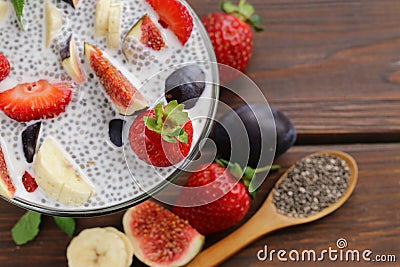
(126, 97)
(73, 3)
(70, 60)
(175, 16)
(53, 19)
(101, 17)
(57, 177)
(7, 188)
(162, 136)
(114, 24)
(159, 237)
(38, 100)
(29, 138)
(29, 182)
(4, 67)
(147, 32)
(4, 6)
(144, 32)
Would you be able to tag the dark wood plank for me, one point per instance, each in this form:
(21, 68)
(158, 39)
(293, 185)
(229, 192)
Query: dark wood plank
(370, 219)
(329, 66)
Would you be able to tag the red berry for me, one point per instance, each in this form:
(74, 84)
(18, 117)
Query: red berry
(231, 38)
(4, 67)
(174, 16)
(29, 182)
(231, 35)
(34, 101)
(151, 147)
(218, 214)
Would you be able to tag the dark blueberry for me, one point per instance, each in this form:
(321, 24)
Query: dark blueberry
(29, 140)
(259, 127)
(185, 85)
(115, 131)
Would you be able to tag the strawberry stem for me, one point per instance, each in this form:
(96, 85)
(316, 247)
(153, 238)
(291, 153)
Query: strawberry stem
(267, 168)
(168, 122)
(243, 11)
(247, 174)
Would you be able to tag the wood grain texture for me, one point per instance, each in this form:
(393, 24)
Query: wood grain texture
(329, 66)
(369, 220)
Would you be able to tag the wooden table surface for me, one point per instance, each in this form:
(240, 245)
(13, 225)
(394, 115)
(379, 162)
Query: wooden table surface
(332, 66)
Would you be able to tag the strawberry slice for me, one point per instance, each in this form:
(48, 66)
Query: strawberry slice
(7, 188)
(29, 182)
(125, 96)
(33, 101)
(4, 67)
(175, 16)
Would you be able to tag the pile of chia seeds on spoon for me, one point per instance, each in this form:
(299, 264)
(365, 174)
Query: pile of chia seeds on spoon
(314, 183)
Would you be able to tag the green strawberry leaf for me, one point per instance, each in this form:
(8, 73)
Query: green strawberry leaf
(254, 20)
(169, 139)
(27, 228)
(183, 137)
(245, 175)
(158, 112)
(19, 8)
(245, 9)
(151, 124)
(229, 8)
(245, 12)
(172, 131)
(177, 117)
(168, 121)
(66, 224)
(170, 107)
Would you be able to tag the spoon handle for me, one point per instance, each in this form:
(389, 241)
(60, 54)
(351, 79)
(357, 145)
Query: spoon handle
(263, 222)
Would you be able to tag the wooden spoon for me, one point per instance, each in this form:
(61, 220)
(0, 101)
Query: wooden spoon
(267, 219)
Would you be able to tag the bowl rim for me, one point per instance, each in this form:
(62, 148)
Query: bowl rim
(22, 203)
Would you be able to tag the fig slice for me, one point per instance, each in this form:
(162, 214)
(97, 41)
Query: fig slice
(7, 188)
(159, 237)
(126, 97)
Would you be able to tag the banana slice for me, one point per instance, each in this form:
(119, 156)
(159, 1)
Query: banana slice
(3, 10)
(56, 176)
(100, 247)
(128, 244)
(53, 21)
(101, 17)
(114, 24)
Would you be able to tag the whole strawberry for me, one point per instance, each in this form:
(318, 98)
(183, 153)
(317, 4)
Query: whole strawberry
(4, 67)
(231, 34)
(163, 136)
(226, 201)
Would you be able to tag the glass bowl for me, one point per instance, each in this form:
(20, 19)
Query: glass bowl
(120, 180)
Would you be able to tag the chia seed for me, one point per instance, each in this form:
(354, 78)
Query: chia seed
(314, 183)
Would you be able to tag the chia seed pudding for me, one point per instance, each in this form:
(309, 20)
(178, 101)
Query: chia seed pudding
(82, 130)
